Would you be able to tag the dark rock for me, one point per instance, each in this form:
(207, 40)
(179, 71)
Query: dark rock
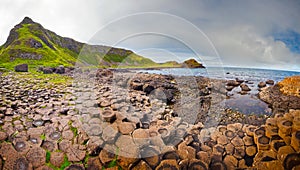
(60, 70)
(270, 82)
(21, 68)
(34, 43)
(147, 88)
(245, 87)
(47, 70)
(229, 88)
(232, 83)
(261, 84)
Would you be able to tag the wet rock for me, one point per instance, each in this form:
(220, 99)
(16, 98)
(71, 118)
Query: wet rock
(261, 84)
(229, 88)
(232, 83)
(38, 123)
(270, 82)
(55, 136)
(21, 68)
(245, 87)
(251, 150)
(36, 156)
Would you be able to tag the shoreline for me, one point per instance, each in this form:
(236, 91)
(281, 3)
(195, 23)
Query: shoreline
(87, 122)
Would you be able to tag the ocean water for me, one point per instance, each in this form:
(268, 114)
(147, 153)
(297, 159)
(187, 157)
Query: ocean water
(249, 103)
(250, 74)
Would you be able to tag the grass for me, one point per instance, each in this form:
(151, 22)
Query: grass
(50, 57)
(43, 136)
(73, 129)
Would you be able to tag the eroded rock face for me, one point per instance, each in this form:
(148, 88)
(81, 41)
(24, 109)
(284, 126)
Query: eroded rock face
(279, 100)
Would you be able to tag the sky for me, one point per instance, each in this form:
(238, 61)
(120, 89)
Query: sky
(260, 34)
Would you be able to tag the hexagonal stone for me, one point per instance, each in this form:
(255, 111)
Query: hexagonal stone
(57, 158)
(36, 156)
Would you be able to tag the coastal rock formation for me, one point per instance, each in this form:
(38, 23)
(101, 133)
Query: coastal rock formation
(192, 63)
(106, 124)
(283, 95)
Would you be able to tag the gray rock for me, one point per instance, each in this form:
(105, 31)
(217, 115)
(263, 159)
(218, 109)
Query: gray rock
(21, 68)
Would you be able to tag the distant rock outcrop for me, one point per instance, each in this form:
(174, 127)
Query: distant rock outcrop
(21, 68)
(192, 63)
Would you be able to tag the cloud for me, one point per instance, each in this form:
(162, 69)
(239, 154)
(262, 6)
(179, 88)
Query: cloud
(244, 33)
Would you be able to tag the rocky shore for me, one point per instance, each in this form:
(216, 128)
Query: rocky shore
(110, 119)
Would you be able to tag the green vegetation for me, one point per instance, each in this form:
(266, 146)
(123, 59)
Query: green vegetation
(30, 43)
(48, 155)
(10, 56)
(73, 129)
(43, 136)
(114, 162)
(65, 164)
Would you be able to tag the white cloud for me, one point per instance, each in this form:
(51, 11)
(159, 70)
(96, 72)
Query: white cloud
(242, 32)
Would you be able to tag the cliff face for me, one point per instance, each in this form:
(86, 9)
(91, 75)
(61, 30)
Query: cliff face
(192, 63)
(29, 42)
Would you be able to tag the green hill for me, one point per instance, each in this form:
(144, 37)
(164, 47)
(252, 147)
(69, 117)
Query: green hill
(29, 42)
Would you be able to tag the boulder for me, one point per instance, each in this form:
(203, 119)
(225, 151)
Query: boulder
(47, 70)
(261, 84)
(245, 87)
(270, 82)
(192, 63)
(21, 68)
(232, 83)
(60, 70)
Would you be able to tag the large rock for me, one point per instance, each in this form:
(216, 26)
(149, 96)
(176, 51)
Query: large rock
(21, 68)
(60, 70)
(192, 63)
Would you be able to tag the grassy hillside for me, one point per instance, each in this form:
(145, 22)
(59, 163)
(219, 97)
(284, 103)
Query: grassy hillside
(30, 43)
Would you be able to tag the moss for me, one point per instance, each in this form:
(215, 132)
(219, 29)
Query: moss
(43, 137)
(73, 129)
(48, 155)
(65, 164)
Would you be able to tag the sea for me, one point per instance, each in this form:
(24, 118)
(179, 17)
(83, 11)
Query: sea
(247, 104)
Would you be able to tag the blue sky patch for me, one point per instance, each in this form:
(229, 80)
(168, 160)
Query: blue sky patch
(291, 39)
